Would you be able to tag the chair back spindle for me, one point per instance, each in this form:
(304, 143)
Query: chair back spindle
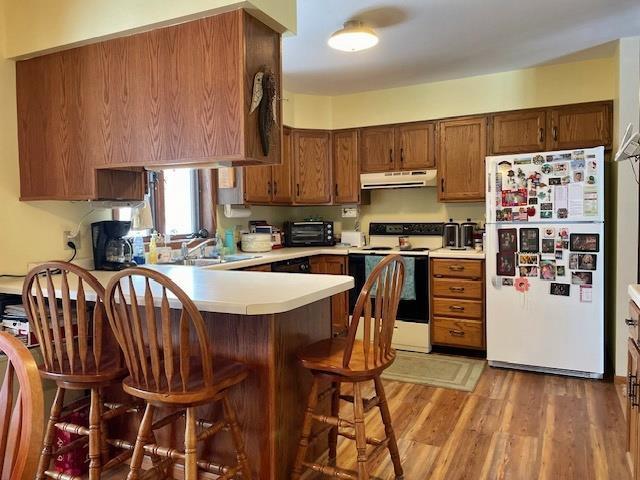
(139, 311)
(21, 410)
(377, 307)
(70, 330)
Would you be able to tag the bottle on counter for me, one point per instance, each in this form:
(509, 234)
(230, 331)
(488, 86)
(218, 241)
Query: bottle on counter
(153, 250)
(138, 251)
(230, 241)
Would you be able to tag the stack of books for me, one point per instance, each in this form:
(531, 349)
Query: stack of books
(15, 320)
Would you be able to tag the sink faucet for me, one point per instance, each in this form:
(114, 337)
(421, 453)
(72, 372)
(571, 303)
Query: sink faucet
(188, 252)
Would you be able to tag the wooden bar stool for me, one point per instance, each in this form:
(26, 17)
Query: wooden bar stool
(21, 410)
(170, 365)
(79, 354)
(347, 360)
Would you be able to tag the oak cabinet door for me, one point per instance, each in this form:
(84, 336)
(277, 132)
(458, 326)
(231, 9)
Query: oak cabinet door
(633, 446)
(312, 166)
(461, 159)
(257, 184)
(334, 265)
(377, 145)
(415, 146)
(281, 175)
(579, 126)
(518, 132)
(346, 168)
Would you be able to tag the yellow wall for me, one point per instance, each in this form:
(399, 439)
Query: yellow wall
(533, 87)
(29, 232)
(41, 25)
(307, 111)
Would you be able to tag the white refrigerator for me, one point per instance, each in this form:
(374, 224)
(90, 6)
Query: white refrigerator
(545, 261)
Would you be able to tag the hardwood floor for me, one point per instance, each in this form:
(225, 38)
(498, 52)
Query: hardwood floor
(515, 425)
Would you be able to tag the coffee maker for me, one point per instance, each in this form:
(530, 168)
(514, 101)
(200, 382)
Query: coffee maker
(111, 251)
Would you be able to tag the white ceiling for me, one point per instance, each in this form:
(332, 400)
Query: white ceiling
(431, 40)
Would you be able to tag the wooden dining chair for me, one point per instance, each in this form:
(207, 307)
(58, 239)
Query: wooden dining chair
(348, 360)
(79, 353)
(21, 410)
(170, 365)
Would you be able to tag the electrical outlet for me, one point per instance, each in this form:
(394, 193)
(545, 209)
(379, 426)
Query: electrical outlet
(66, 237)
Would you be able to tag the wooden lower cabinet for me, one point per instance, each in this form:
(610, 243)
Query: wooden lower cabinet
(258, 268)
(633, 393)
(334, 265)
(457, 303)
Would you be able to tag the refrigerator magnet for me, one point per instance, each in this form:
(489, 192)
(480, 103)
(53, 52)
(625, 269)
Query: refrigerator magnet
(560, 271)
(586, 261)
(528, 271)
(507, 240)
(584, 242)
(555, 181)
(547, 269)
(546, 214)
(538, 160)
(507, 282)
(561, 289)
(527, 259)
(514, 198)
(506, 264)
(586, 294)
(529, 240)
(522, 284)
(559, 254)
(563, 213)
(577, 164)
(522, 161)
(548, 245)
(573, 261)
(546, 169)
(582, 278)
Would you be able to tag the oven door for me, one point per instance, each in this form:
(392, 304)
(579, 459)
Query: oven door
(415, 311)
(308, 233)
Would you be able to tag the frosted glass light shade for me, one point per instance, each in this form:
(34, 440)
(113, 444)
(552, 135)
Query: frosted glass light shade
(353, 37)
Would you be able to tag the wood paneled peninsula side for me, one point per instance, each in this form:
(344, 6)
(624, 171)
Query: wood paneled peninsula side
(260, 319)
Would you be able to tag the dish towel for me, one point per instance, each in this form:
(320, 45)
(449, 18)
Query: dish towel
(409, 287)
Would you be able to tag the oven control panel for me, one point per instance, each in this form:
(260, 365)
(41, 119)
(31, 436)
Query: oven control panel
(434, 229)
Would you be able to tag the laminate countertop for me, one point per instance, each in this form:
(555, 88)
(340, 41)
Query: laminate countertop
(235, 292)
(634, 293)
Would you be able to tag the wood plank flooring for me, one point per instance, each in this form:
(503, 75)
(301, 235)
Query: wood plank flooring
(515, 425)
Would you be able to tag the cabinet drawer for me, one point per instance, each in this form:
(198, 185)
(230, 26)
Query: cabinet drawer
(445, 267)
(452, 331)
(455, 307)
(458, 288)
(632, 321)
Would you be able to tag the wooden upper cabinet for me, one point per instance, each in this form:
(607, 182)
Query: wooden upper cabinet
(518, 132)
(461, 159)
(376, 149)
(178, 95)
(415, 146)
(580, 126)
(281, 175)
(257, 184)
(346, 168)
(312, 166)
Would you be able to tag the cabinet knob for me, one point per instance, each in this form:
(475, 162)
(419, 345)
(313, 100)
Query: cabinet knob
(456, 289)
(297, 189)
(275, 187)
(554, 133)
(442, 184)
(631, 322)
(391, 155)
(456, 308)
(456, 333)
(541, 135)
(336, 190)
(269, 187)
(402, 155)
(456, 268)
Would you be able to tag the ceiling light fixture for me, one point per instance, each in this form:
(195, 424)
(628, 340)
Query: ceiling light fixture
(353, 37)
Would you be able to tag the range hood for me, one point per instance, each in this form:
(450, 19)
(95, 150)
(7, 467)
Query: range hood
(409, 179)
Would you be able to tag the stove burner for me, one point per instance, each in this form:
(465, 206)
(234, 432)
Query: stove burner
(376, 248)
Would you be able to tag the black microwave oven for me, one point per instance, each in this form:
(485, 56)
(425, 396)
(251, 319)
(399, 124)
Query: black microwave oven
(309, 234)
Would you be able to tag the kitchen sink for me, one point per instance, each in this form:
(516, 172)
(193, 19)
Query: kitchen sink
(207, 262)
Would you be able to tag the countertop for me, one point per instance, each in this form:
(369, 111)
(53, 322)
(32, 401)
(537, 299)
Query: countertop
(462, 254)
(279, 255)
(244, 293)
(634, 293)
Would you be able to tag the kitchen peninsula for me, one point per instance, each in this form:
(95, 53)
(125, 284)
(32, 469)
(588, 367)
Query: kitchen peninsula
(260, 319)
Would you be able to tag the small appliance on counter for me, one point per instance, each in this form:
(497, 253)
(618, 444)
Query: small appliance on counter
(111, 251)
(256, 242)
(467, 233)
(309, 234)
(451, 235)
(353, 238)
